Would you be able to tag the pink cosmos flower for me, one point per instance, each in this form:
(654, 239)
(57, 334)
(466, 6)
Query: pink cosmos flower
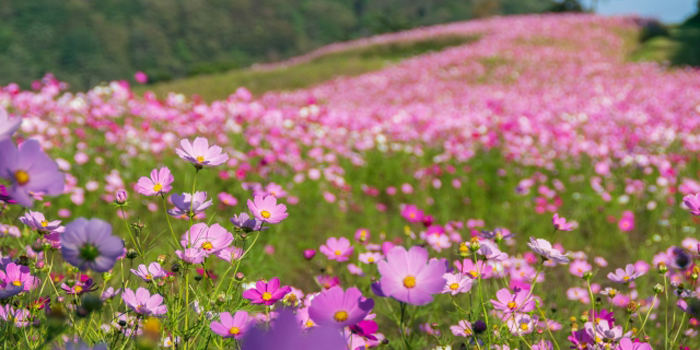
(148, 274)
(627, 275)
(409, 277)
(30, 170)
(462, 329)
(511, 303)
(192, 255)
(561, 224)
(141, 77)
(327, 281)
(18, 275)
(692, 202)
(370, 257)
(469, 269)
(412, 214)
(521, 324)
(266, 209)
(38, 222)
(232, 327)
(337, 308)
(143, 303)
(158, 183)
(211, 240)
(227, 199)
(200, 154)
(362, 235)
(8, 125)
(20, 317)
(546, 251)
(579, 267)
(626, 222)
(490, 251)
(628, 344)
(456, 283)
(338, 249)
(267, 293)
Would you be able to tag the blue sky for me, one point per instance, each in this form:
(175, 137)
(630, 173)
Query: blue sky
(668, 11)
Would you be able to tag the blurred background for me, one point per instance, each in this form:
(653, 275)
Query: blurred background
(85, 42)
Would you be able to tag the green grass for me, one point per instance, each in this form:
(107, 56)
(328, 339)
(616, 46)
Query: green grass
(346, 63)
(680, 48)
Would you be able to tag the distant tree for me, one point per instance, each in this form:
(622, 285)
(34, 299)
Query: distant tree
(567, 6)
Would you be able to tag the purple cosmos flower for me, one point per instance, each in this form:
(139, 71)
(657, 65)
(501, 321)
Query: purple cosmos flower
(79, 345)
(245, 222)
(200, 154)
(192, 255)
(456, 283)
(81, 285)
(158, 183)
(497, 234)
(490, 251)
(90, 245)
(267, 293)
(143, 303)
(511, 303)
(19, 317)
(338, 249)
(286, 334)
(462, 329)
(209, 239)
(603, 331)
(8, 125)
(110, 293)
(545, 250)
(267, 210)
(38, 222)
(186, 206)
(9, 290)
(561, 224)
(18, 275)
(543, 345)
(148, 274)
(337, 308)
(407, 278)
(627, 275)
(692, 201)
(30, 170)
(232, 327)
(521, 324)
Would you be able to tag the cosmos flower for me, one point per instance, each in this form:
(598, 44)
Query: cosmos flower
(79, 345)
(266, 209)
(508, 302)
(561, 224)
(36, 221)
(192, 255)
(209, 239)
(20, 317)
(186, 205)
(143, 303)
(370, 257)
(30, 171)
(692, 202)
(579, 267)
(479, 270)
(627, 275)
(17, 276)
(412, 214)
(628, 344)
(338, 249)
(200, 154)
(159, 182)
(545, 250)
(148, 274)
(266, 293)
(286, 333)
(337, 308)
(462, 329)
(89, 244)
(8, 125)
(245, 222)
(232, 327)
(456, 283)
(409, 277)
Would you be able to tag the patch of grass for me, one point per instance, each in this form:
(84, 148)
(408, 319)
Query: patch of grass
(680, 48)
(347, 63)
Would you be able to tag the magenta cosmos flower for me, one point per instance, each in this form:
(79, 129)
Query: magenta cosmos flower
(692, 201)
(409, 277)
(627, 275)
(30, 171)
(200, 154)
(626, 222)
(158, 183)
(17, 276)
(143, 303)
(267, 293)
(232, 327)
(513, 303)
(412, 214)
(209, 239)
(561, 224)
(338, 249)
(267, 210)
(91, 245)
(337, 308)
(8, 125)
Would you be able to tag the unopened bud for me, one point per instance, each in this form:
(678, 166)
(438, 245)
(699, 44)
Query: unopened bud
(131, 254)
(463, 250)
(588, 275)
(658, 288)
(474, 245)
(121, 198)
(662, 268)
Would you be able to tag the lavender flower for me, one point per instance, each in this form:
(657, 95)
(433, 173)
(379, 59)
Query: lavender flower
(186, 205)
(30, 170)
(90, 245)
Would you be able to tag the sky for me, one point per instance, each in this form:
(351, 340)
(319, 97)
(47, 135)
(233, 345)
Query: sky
(667, 11)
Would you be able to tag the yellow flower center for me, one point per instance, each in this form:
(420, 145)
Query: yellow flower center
(78, 289)
(341, 316)
(338, 253)
(265, 214)
(234, 330)
(512, 305)
(44, 223)
(474, 273)
(200, 159)
(149, 277)
(266, 296)
(363, 234)
(626, 278)
(157, 187)
(409, 282)
(412, 215)
(524, 326)
(309, 323)
(370, 260)
(17, 283)
(22, 177)
(454, 286)
(207, 246)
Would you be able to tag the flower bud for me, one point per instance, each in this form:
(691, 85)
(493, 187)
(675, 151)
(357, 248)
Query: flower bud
(121, 198)
(161, 259)
(632, 307)
(463, 250)
(175, 267)
(131, 254)
(658, 288)
(661, 267)
(474, 245)
(239, 276)
(588, 275)
(309, 254)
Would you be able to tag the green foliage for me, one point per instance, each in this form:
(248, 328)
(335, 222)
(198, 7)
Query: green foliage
(87, 42)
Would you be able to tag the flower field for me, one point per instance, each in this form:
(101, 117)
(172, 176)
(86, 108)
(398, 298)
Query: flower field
(529, 189)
